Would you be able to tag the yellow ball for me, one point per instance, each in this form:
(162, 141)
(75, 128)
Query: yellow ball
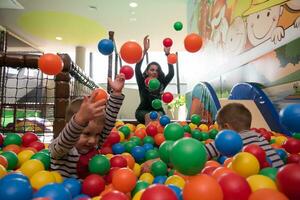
(280, 140)
(203, 127)
(96, 198)
(119, 123)
(138, 195)
(23, 156)
(147, 177)
(122, 136)
(30, 167)
(257, 182)
(137, 169)
(175, 180)
(245, 164)
(57, 176)
(109, 155)
(193, 126)
(3, 171)
(140, 126)
(41, 179)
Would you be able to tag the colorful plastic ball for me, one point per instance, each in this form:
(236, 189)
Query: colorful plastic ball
(270, 172)
(136, 140)
(172, 58)
(292, 145)
(245, 164)
(257, 151)
(131, 52)
(140, 185)
(138, 153)
(282, 153)
(228, 142)
(182, 155)
(267, 194)
(99, 164)
(12, 159)
(178, 26)
(151, 154)
(127, 71)
(159, 179)
(101, 94)
(148, 139)
(290, 116)
(58, 177)
(158, 192)
(140, 132)
(31, 167)
(148, 146)
(12, 138)
(1, 140)
(118, 161)
(15, 189)
(93, 185)
(167, 97)
(159, 139)
(151, 130)
(234, 186)
(164, 150)
(288, 180)
(156, 104)
(147, 81)
(193, 42)
(15, 175)
(203, 186)
(129, 145)
(37, 145)
(167, 42)
(41, 178)
(164, 120)
(153, 115)
(45, 158)
(53, 191)
(50, 64)
(173, 131)
(73, 185)
(175, 180)
(158, 168)
(28, 138)
(12, 147)
(106, 46)
(124, 180)
(118, 148)
(154, 84)
(125, 130)
(196, 119)
(114, 195)
(257, 182)
(177, 191)
(113, 138)
(293, 158)
(81, 197)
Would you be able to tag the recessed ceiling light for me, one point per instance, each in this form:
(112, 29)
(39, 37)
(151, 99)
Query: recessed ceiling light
(59, 38)
(132, 19)
(133, 4)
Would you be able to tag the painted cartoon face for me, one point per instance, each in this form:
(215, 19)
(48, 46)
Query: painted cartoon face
(236, 37)
(260, 25)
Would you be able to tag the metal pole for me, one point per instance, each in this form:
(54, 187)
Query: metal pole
(177, 73)
(91, 64)
(109, 72)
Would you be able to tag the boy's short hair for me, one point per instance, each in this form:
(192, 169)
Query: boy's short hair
(236, 115)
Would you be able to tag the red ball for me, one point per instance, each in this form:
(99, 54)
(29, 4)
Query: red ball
(292, 145)
(131, 52)
(186, 134)
(1, 140)
(167, 42)
(147, 80)
(172, 58)
(37, 145)
(93, 185)
(167, 97)
(127, 71)
(151, 130)
(158, 192)
(208, 170)
(28, 138)
(113, 138)
(257, 151)
(118, 161)
(234, 187)
(106, 150)
(114, 195)
(288, 180)
(193, 42)
(293, 158)
(50, 64)
(108, 177)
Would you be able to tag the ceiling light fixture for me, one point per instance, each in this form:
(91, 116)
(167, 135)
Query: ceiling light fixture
(59, 38)
(133, 4)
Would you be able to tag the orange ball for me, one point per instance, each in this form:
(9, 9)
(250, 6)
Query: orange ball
(130, 160)
(159, 138)
(101, 94)
(13, 147)
(204, 187)
(193, 42)
(3, 161)
(212, 163)
(172, 58)
(141, 133)
(50, 64)
(220, 171)
(131, 52)
(124, 180)
(267, 194)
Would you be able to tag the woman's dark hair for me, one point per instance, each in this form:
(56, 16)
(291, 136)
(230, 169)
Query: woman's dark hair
(161, 74)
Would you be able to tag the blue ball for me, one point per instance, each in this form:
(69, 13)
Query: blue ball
(73, 185)
(14, 175)
(164, 120)
(228, 142)
(106, 47)
(221, 159)
(81, 197)
(118, 148)
(177, 191)
(53, 191)
(153, 115)
(148, 146)
(160, 179)
(15, 189)
(290, 117)
(138, 153)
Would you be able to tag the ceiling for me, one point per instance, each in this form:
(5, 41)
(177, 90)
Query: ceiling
(86, 22)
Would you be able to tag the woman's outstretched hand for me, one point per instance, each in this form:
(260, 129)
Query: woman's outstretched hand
(167, 50)
(146, 43)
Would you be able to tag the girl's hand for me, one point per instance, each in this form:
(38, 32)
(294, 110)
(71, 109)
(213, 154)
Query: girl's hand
(146, 43)
(167, 50)
(118, 84)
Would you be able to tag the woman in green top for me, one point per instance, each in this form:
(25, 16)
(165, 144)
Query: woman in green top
(153, 70)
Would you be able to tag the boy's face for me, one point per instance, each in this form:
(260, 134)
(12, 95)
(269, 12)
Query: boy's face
(89, 137)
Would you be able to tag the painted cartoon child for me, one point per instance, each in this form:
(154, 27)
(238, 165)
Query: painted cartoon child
(294, 7)
(262, 21)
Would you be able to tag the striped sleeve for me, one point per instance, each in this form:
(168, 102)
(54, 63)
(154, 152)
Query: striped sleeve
(211, 150)
(66, 140)
(112, 109)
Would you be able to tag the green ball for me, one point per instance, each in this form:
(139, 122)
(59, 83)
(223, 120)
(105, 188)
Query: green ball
(12, 138)
(296, 136)
(140, 185)
(213, 133)
(12, 159)
(148, 139)
(270, 172)
(178, 26)
(156, 104)
(171, 172)
(272, 141)
(151, 154)
(136, 140)
(46, 151)
(187, 128)
(196, 134)
(173, 131)
(125, 130)
(154, 84)
(159, 168)
(196, 119)
(129, 146)
(99, 164)
(204, 136)
(188, 156)
(164, 150)
(43, 157)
